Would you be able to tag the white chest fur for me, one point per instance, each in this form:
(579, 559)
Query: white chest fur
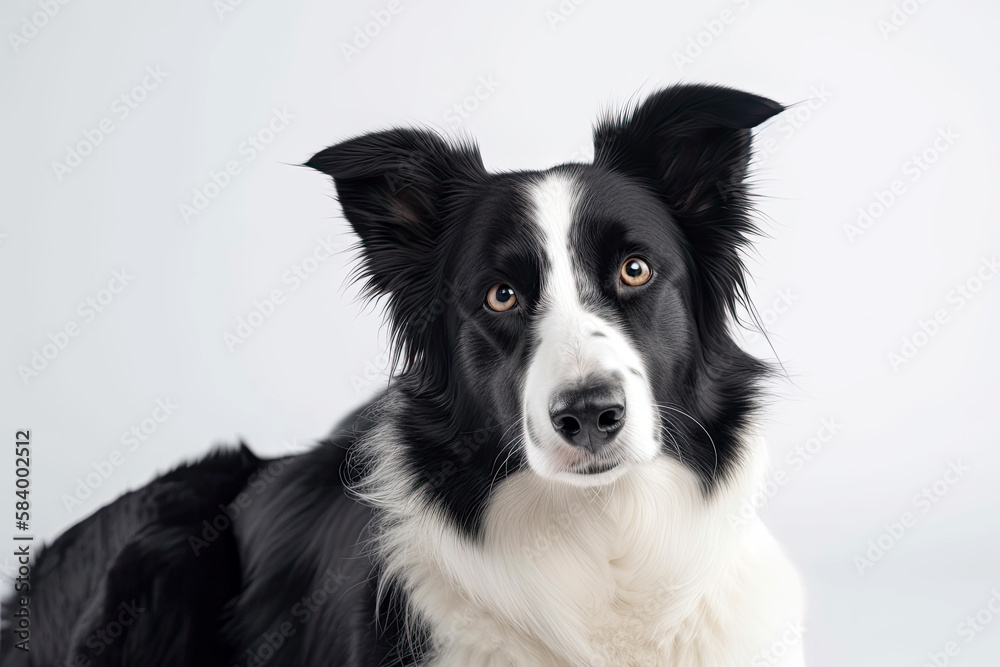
(644, 571)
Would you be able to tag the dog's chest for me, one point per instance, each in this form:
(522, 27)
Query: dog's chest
(577, 577)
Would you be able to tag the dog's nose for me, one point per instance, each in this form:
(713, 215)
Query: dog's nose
(589, 416)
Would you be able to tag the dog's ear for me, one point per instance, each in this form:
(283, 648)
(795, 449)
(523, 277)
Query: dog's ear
(686, 141)
(691, 145)
(395, 188)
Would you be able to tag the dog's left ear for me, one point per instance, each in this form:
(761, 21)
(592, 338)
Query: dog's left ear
(691, 145)
(690, 142)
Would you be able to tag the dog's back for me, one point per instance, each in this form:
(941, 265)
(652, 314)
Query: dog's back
(224, 561)
(89, 590)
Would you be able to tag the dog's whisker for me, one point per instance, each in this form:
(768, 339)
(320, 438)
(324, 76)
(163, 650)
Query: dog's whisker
(513, 445)
(711, 440)
(671, 434)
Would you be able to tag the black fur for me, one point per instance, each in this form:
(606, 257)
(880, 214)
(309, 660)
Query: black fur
(133, 557)
(436, 231)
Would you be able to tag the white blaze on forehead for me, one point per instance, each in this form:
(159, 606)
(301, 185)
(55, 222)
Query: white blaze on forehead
(565, 327)
(555, 199)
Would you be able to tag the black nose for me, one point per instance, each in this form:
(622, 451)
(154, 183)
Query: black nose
(589, 416)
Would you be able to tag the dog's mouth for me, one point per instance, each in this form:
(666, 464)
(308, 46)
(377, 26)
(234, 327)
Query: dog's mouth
(576, 466)
(595, 467)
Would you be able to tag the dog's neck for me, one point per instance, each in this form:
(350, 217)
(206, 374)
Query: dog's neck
(635, 572)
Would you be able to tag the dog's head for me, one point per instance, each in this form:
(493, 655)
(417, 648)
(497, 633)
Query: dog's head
(579, 315)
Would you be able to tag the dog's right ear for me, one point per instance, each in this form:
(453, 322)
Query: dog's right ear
(395, 188)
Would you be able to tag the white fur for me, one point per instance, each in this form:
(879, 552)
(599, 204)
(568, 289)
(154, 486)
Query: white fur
(573, 344)
(635, 566)
(642, 571)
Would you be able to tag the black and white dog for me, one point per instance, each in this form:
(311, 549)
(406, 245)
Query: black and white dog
(549, 479)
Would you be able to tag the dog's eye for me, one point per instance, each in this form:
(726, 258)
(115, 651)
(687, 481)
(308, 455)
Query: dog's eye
(635, 271)
(501, 297)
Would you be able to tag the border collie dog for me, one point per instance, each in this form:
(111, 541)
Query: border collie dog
(550, 477)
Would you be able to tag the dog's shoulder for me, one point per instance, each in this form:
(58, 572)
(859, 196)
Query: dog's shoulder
(309, 585)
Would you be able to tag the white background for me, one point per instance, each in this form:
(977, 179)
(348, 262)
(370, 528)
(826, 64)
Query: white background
(869, 100)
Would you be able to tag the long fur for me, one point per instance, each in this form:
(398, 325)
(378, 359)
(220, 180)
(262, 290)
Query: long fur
(454, 521)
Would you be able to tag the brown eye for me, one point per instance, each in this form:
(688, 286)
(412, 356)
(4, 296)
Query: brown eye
(635, 271)
(501, 297)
